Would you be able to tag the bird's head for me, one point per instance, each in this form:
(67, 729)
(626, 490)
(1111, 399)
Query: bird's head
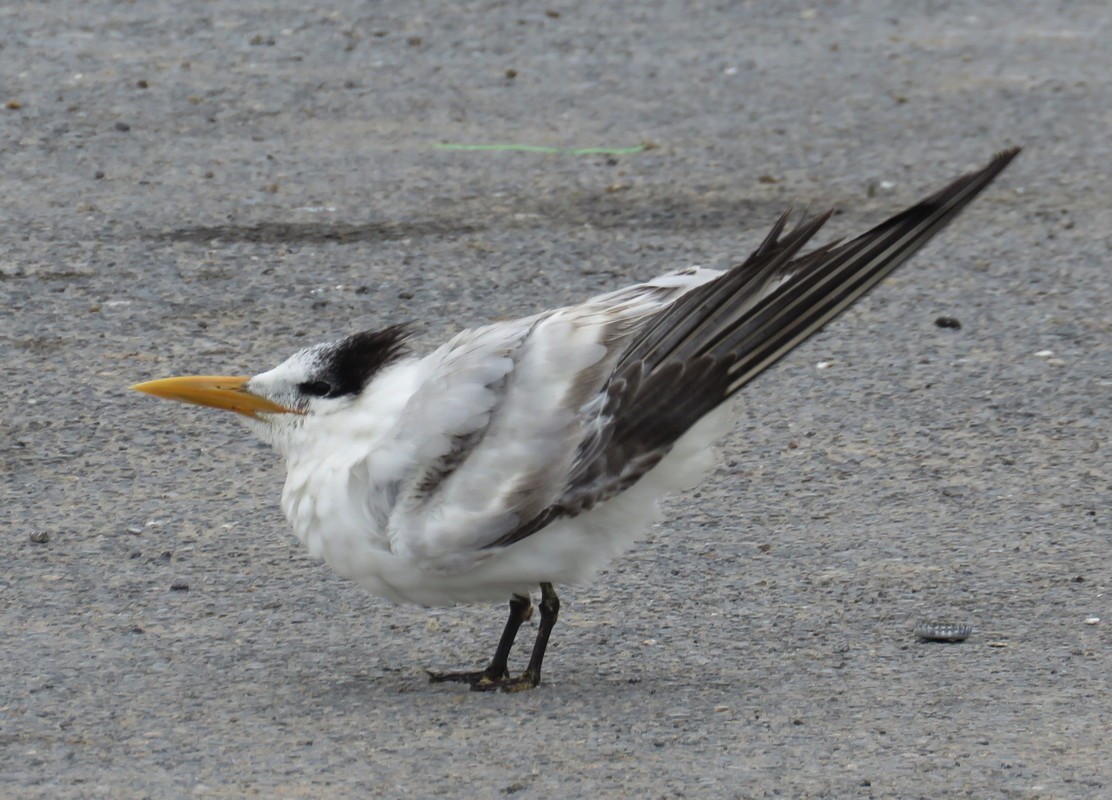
(314, 382)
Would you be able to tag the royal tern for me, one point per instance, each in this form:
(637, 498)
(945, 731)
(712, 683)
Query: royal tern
(534, 451)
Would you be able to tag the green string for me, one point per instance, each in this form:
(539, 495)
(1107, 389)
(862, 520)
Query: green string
(532, 148)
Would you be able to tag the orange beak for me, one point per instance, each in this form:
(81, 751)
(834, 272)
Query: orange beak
(214, 391)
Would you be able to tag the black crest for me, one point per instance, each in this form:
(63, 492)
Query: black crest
(348, 365)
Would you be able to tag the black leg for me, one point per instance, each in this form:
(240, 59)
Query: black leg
(521, 609)
(550, 610)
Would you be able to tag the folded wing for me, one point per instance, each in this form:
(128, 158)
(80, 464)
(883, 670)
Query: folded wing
(693, 355)
(494, 429)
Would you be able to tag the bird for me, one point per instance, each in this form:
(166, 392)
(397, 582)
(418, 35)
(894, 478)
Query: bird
(532, 452)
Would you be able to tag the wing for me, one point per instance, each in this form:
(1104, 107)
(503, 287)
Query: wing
(496, 422)
(693, 355)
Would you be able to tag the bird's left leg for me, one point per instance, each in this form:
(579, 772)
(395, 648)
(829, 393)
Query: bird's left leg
(521, 609)
(531, 678)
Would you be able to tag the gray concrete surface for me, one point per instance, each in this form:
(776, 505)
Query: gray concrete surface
(206, 186)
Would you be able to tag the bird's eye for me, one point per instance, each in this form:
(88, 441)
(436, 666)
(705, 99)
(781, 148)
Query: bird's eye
(315, 388)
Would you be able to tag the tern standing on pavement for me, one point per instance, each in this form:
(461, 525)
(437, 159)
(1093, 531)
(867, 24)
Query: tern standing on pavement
(533, 452)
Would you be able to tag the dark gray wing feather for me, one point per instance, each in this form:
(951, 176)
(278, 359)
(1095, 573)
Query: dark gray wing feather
(696, 353)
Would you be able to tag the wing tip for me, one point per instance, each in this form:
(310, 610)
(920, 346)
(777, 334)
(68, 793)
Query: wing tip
(1000, 160)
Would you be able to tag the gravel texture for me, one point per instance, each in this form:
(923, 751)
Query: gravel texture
(203, 187)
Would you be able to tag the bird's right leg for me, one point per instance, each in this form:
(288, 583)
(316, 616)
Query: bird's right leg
(521, 609)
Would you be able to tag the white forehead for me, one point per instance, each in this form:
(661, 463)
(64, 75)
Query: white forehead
(298, 368)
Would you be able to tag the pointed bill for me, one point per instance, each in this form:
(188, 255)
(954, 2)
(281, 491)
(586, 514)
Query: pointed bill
(215, 391)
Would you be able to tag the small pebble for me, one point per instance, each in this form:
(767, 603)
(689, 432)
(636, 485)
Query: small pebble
(179, 586)
(948, 322)
(875, 187)
(98, 174)
(1092, 620)
(943, 632)
(142, 84)
(123, 126)
(39, 537)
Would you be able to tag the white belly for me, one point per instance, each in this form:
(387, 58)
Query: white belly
(332, 519)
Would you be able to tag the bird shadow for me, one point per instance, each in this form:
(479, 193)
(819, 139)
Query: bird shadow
(643, 209)
(317, 232)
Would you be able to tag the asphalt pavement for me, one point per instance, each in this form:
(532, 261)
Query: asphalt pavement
(204, 187)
